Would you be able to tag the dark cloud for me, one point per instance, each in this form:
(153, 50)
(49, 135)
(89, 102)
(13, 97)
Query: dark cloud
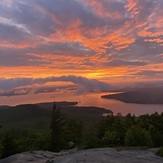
(13, 33)
(26, 13)
(63, 48)
(37, 90)
(12, 56)
(147, 52)
(150, 73)
(15, 57)
(84, 84)
(119, 63)
(68, 11)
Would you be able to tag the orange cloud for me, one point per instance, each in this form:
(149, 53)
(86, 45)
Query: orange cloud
(93, 38)
(132, 7)
(99, 8)
(83, 43)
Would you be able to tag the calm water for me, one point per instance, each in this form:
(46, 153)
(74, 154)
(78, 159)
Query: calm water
(91, 99)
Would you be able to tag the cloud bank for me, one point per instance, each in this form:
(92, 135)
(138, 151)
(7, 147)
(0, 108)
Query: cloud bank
(19, 86)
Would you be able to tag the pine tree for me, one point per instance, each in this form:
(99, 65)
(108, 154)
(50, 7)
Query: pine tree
(56, 129)
(9, 146)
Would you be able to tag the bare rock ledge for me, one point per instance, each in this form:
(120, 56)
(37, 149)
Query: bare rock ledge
(102, 155)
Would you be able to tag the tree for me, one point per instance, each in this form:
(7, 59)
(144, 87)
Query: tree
(157, 136)
(129, 121)
(73, 131)
(103, 125)
(9, 145)
(137, 136)
(56, 129)
(91, 140)
(111, 139)
(115, 134)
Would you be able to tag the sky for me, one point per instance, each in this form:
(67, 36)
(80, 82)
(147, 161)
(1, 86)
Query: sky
(90, 43)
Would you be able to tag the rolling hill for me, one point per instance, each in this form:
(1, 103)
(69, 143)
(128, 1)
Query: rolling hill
(39, 115)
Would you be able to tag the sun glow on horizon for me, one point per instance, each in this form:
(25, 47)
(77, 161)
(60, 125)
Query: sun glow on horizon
(111, 40)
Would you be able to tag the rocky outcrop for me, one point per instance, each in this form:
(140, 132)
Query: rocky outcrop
(104, 155)
(33, 157)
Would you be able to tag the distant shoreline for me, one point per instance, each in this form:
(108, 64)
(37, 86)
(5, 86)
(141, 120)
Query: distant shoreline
(138, 97)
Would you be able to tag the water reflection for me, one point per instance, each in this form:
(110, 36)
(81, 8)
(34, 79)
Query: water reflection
(90, 99)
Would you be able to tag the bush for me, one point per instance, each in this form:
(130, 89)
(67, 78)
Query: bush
(9, 145)
(160, 152)
(137, 136)
(73, 132)
(111, 139)
(91, 141)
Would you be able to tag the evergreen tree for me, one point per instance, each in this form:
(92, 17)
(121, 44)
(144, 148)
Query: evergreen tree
(9, 146)
(56, 129)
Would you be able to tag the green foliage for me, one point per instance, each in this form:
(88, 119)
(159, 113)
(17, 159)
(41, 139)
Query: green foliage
(111, 139)
(157, 136)
(120, 131)
(110, 131)
(129, 121)
(91, 141)
(30, 140)
(137, 136)
(56, 142)
(103, 125)
(73, 131)
(160, 152)
(9, 145)
(15, 141)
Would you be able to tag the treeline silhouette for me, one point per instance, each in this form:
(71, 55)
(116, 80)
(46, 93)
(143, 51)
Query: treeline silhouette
(110, 131)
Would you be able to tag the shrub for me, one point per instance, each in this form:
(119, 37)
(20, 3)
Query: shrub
(160, 152)
(137, 136)
(111, 139)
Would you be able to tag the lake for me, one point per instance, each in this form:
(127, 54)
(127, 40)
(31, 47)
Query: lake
(89, 99)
